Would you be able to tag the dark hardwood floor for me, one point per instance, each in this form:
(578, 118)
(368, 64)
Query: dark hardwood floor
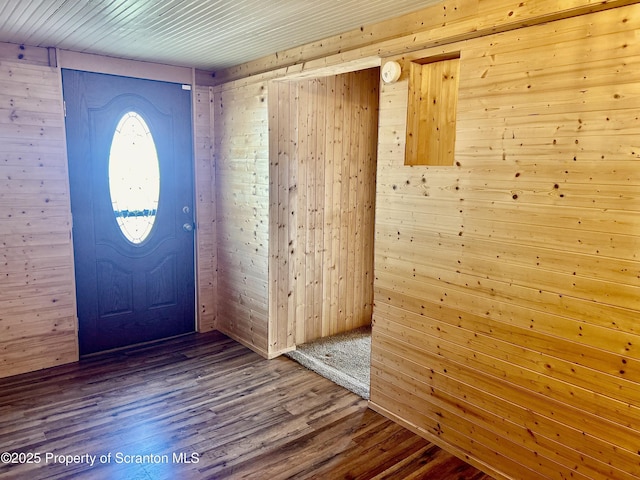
(203, 406)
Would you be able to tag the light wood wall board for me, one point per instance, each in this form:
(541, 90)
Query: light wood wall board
(482, 396)
(282, 230)
(206, 239)
(507, 286)
(240, 133)
(444, 22)
(323, 137)
(23, 54)
(37, 290)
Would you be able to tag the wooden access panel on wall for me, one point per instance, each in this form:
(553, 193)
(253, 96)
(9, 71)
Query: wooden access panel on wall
(323, 137)
(431, 110)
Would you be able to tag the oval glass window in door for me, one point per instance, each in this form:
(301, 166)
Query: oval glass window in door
(134, 177)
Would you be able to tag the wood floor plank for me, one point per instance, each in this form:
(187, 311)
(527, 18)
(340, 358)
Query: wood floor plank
(203, 407)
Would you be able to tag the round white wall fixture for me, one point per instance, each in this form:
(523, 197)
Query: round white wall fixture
(391, 72)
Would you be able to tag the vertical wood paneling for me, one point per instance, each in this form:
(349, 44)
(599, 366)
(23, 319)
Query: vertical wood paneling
(324, 132)
(339, 144)
(285, 239)
(507, 286)
(282, 234)
(205, 210)
(241, 147)
(431, 114)
(37, 290)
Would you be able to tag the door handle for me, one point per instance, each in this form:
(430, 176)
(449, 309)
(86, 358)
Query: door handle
(187, 227)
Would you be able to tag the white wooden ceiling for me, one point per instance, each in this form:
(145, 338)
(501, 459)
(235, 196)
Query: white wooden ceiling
(206, 34)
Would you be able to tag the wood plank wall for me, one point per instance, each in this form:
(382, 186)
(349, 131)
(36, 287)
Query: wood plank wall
(206, 249)
(507, 292)
(37, 291)
(445, 21)
(323, 170)
(241, 153)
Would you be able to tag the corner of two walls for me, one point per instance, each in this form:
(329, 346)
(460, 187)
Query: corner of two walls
(234, 191)
(294, 196)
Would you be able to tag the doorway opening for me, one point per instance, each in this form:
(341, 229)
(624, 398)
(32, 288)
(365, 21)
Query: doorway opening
(324, 139)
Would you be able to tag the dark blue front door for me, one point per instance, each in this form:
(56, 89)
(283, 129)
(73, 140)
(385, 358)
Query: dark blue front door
(130, 155)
